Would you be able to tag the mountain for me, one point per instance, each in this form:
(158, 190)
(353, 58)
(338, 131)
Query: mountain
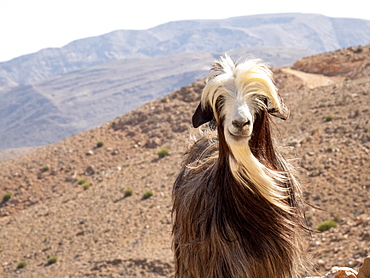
(98, 230)
(313, 32)
(45, 112)
(54, 93)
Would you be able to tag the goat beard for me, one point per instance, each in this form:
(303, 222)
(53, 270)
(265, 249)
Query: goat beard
(268, 183)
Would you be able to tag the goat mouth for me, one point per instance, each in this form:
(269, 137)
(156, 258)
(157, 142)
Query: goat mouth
(239, 136)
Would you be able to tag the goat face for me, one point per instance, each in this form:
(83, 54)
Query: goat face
(235, 95)
(237, 113)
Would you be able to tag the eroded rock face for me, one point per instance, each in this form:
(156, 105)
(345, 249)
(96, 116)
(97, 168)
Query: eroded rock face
(339, 272)
(364, 271)
(353, 62)
(346, 272)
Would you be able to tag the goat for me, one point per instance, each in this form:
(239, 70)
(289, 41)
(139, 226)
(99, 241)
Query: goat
(237, 207)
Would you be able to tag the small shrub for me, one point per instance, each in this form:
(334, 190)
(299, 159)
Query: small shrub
(52, 259)
(86, 186)
(329, 118)
(45, 168)
(128, 192)
(99, 144)
(162, 152)
(147, 194)
(367, 186)
(7, 196)
(330, 149)
(21, 264)
(81, 181)
(326, 225)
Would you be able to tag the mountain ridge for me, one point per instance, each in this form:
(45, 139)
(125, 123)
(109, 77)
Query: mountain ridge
(184, 36)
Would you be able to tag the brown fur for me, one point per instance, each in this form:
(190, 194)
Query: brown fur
(222, 228)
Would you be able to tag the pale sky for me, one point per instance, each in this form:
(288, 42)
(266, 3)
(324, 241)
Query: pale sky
(28, 26)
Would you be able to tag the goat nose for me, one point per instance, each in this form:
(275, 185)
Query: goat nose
(241, 122)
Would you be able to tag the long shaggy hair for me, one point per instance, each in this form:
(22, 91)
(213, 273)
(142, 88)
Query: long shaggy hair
(237, 209)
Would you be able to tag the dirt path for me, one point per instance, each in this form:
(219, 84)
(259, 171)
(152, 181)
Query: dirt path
(314, 80)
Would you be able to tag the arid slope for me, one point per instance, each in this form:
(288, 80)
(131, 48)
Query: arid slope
(98, 232)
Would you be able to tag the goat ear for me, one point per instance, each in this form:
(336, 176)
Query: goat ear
(275, 112)
(283, 113)
(202, 116)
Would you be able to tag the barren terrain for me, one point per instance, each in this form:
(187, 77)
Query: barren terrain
(57, 92)
(98, 232)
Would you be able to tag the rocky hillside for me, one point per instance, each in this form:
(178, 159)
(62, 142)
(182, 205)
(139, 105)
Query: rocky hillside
(353, 63)
(45, 112)
(56, 92)
(71, 202)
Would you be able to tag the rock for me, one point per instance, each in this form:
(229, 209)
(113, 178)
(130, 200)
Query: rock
(89, 171)
(40, 175)
(339, 272)
(153, 143)
(364, 271)
(90, 152)
(180, 128)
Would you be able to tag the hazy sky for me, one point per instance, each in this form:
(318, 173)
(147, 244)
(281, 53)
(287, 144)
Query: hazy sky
(27, 26)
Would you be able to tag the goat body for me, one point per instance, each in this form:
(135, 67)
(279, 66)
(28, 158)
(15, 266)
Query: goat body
(236, 206)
